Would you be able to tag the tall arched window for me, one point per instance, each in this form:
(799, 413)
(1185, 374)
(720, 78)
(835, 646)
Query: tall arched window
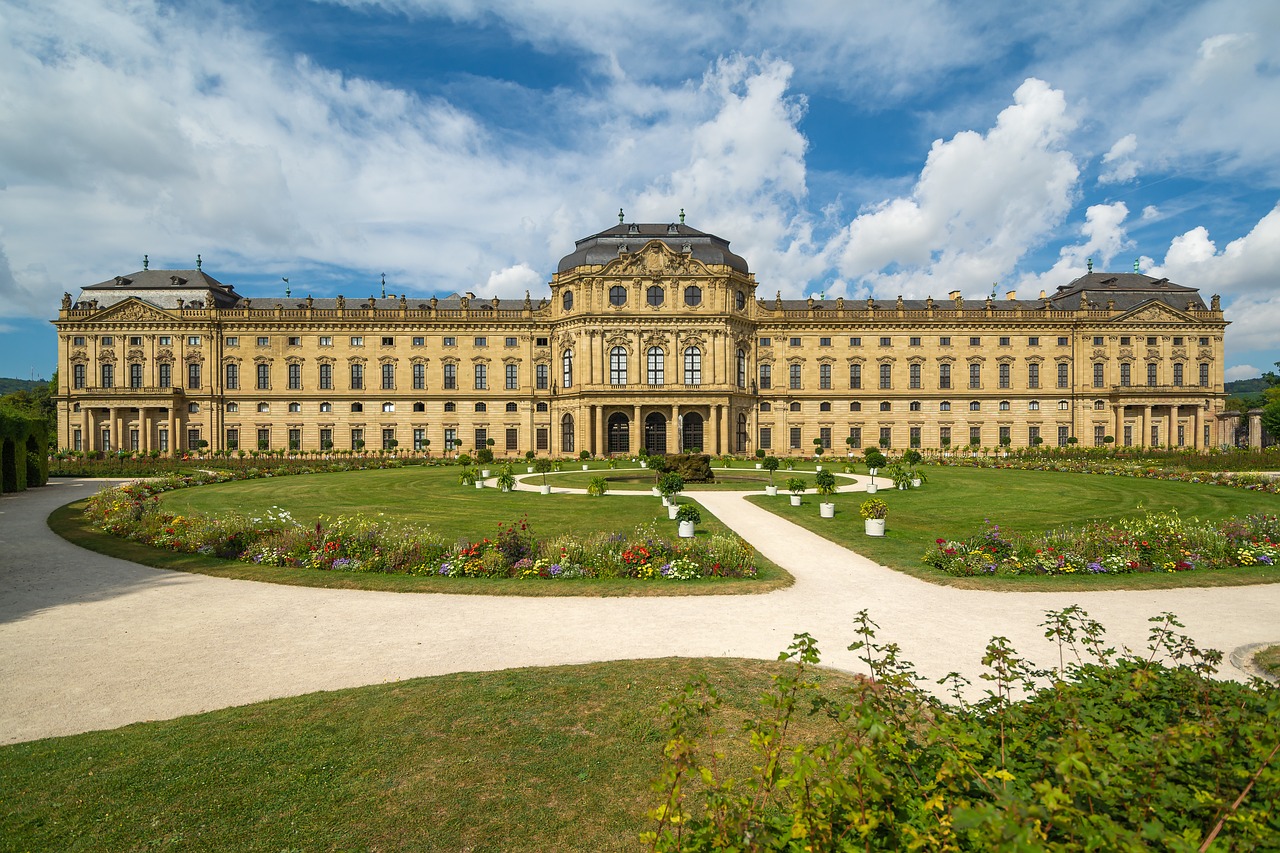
(566, 434)
(619, 429)
(567, 300)
(618, 366)
(567, 382)
(693, 366)
(656, 359)
(741, 364)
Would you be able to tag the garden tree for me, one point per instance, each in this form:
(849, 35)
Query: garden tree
(1271, 418)
(1107, 751)
(38, 400)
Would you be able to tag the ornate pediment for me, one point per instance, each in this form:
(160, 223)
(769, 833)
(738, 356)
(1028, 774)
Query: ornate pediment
(134, 310)
(656, 260)
(1154, 312)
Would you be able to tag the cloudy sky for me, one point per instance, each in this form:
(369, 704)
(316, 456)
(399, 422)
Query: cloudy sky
(846, 148)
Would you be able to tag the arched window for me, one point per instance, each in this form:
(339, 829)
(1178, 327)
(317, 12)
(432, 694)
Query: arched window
(885, 406)
(511, 407)
(233, 407)
(419, 407)
(566, 434)
(1004, 405)
(388, 407)
(295, 407)
(914, 406)
(567, 381)
(618, 366)
(740, 300)
(451, 407)
(975, 406)
(566, 299)
(617, 296)
(654, 295)
(741, 362)
(693, 366)
(264, 407)
(1099, 405)
(693, 296)
(542, 407)
(766, 407)
(1033, 406)
(1063, 405)
(357, 407)
(855, 407)
(795, 407)
(326, 407)
(481, 407)
(824, 407)
(619, 428)
(656, 359)
(944, 406)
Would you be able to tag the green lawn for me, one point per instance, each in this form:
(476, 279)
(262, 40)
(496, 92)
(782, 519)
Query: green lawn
(956, 502)
(639, 480)
(554, 758)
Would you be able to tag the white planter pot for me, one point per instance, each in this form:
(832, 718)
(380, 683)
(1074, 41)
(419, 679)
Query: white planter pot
(479, 484)
(644, 464)
(759, 466)
(672, 509)
(915, 484)
(873, 526)
(584, 466)
(873, 471)
(506, 489)
(902, 487)
(872, 488)
(529, 468)
(818, 468)
(666, 501)
(546, 490)
(686, 530)
(656, 493)
(795, 500)
(827, 510)
(771, 491)
(484, 472)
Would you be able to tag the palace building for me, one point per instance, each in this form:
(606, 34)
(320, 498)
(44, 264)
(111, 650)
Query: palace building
(653, 336)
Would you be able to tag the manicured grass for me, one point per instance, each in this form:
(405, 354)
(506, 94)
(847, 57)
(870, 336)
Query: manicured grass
(1268, 660)
(640, 480)
(433, 497)
(956, 502)
(530, 759)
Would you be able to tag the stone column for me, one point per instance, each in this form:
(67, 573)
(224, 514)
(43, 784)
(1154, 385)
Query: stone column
(597, 414)
(1118, 431)
(1197, 426)
(1255, 429)
(117, 428)
(589, 344)
(637, 431)
(1145, 438)
(673, 445)
(173, 428)
(1172, 436)
(144, 429)
(86, 428)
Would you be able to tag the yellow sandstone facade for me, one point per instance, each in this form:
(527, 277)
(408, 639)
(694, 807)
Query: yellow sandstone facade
(653, 337)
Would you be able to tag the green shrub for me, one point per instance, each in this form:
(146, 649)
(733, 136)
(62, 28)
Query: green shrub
(693, 467)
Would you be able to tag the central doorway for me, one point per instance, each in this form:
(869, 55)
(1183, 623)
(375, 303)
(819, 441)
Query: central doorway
(691, 435)
(619, 433)
(655, 434)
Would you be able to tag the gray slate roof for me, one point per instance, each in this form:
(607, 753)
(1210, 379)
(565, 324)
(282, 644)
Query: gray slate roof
(175, 281)
(603, 247)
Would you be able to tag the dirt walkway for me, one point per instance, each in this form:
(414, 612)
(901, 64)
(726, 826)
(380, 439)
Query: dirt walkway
(91, 642)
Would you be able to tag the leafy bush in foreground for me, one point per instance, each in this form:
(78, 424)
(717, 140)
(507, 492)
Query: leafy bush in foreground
(1106, 751)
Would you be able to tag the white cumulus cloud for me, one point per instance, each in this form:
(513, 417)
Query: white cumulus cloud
(1121, 166)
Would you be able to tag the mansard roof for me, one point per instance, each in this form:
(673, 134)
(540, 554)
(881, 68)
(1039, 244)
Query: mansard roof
(599, 249)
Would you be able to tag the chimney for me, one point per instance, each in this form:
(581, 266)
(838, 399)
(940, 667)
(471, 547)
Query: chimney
(1042, 294)
(955, 294)
(1011, 295)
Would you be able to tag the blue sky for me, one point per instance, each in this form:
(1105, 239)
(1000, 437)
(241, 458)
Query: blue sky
(846, 148)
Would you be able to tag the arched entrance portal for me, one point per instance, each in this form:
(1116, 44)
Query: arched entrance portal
(619, 433)
(655, 434)
(691, 435)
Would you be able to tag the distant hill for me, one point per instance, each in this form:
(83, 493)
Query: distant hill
(1246, 386)
(8, 386)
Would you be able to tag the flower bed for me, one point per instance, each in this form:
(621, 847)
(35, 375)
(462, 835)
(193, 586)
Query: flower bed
(367, 544)
(1160, 542)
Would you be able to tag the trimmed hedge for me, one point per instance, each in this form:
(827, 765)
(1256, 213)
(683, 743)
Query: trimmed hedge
(692, 467)
(24, 460)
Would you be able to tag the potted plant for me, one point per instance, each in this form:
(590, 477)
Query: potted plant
(506, 480)
(900, 475)
(825, 483)
(584, 456)
(849, 443)
(759, 458)
(796, 486)
(542, 465)
(817, 451)
(917, 478)
(770, 464)
(597, 487)
(670, 484)
(467, 476)
(528, 457)
(643, 458)
(874, 511)
(689, 518)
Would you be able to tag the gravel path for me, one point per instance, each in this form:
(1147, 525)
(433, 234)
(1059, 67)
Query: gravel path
(90, 642)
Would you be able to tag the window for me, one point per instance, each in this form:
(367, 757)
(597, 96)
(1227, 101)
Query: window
(388, 376)
(795, 438)
(913, 342)
(1063, 375)
(326, 407)
(886, 437)
(1125, 341)
(357, 439)
(541, 374)
(326, 377)
(855, 342)
(693, 296)
(77, 341)
(794, 375)
(794, 342)
(886, 376)
(264, 342)
(233, 439)
(135, 340)
(566, 299)
(975, 375)
(480, 342)
(1204, 376)
(77, 373)
(766, 438)
(419, 407)
(975, 405)
(1033, 435)
(193, 408)
(656, 360)
(1099, 435)
(766, 342)
(618, 366)
(1004, 405)
(1177, 341)
(855, 376)
(165, 341)
(418, 342)
(886, 406)
(1177, 374)
(824, 435)
(264, 407)
(617, 296)
(1033, 376)
(566, 434)
(975, 435)
(944, 406)
(419, 376)
(135, 376)
(795, 407)
(510, 342)
(481, 376)
(1099, 405)
(295, 376)
(1097, 340)
(232, 373)
(419, 438)
(386, 341)
(193, 376)
(886, 342)
(913, 437)
(654, 295)
(1062, 341)
(1204, 342)
(855, 406)
(913, 375)
(944, 342)
(296, 408)
(1063, 406)
(1097, 375)
(824, 376)
(766, 407)
(357, 341)
(766, 377)
(944, 376)
(913, 406)
(108, 341)
(1033, 406)
(512, 439)
(388, 408)
(1004, 376)
(450, 438)
(824, 342)
(1151, 374)
(264, 376)
(192, 341)
(1151, 342)
(693, 366)
(944, 436)
(740, 303)
(166, 376)
(824, 406)
(855, 434)
(451, 407)
(975, 342)
(449, 341)
(511, 379)
(1033, 342)
(481, 438)
(1125, 377)
(326, 341)
(740, 362)
(567, 361)
(1005, 435)
(357, 376)
(511, 407)
(482, 407)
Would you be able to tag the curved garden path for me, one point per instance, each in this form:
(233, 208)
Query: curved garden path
(92, 642)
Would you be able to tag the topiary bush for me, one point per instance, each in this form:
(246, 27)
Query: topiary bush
(692, 467)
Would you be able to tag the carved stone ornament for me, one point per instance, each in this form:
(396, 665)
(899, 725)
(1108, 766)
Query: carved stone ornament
(132, 309)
